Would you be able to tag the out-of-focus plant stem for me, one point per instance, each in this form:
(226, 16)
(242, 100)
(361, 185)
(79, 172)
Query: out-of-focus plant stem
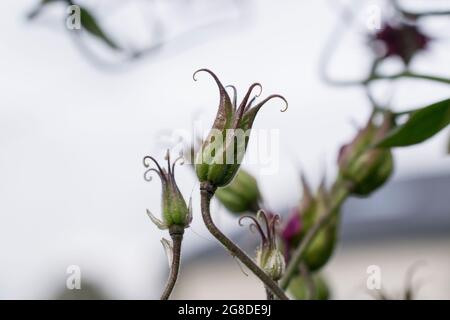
(207, 192)
(408, 74)
(340, 193)
(310, 285)
(415, 15)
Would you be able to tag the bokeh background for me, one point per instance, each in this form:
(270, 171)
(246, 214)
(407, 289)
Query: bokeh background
(76, 120)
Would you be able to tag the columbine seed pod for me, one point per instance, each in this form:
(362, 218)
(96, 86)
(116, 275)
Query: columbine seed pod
(300, 289)
(364, 168)
(322, 246)
(268, 256)
(303, 219)
(175, 212)
(272, 262)
(221, 154)
(241, 195)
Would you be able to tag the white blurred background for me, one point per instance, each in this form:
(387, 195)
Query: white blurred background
(73, 133)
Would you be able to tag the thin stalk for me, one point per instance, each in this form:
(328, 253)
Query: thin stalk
(415, 15)
(207, 192)
(396, 76)
(292, 267)
(409, 74)
(311, 286)
(177, 238)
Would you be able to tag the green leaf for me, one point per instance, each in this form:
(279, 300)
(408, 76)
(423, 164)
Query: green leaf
(90, 24)
(421, 125)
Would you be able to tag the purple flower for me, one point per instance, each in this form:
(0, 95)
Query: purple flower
(402, 40)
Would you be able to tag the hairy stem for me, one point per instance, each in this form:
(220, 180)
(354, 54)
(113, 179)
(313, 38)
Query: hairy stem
(177, 238)
(207, 192)
(297, 256)
(269, 294)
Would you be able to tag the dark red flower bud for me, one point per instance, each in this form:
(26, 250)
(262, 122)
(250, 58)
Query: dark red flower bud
(401, 39)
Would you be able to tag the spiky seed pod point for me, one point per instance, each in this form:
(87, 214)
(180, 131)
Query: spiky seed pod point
(221, 154)
(175, 212)
(268, 256)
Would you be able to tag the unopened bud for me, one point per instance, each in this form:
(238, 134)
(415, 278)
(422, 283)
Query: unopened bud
(401, 39)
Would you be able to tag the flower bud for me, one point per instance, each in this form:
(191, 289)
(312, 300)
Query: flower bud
(401, 40)
(300, 289)
(362, 167)
(175, 212)
(241, 195)
(221, 154)
(268, 256)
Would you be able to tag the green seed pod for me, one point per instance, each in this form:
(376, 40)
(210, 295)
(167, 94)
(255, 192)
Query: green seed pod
(220, 156)
(175, 212)
(322, 246)
(241, 195)
(268, 256)
(300, 289)
(271, 261)
(364, 168)
(303, 219)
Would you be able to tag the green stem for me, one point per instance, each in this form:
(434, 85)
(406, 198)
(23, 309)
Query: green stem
(340, 195)
(311, 287)
(177, 238)
(408, 74)
(206, 193)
